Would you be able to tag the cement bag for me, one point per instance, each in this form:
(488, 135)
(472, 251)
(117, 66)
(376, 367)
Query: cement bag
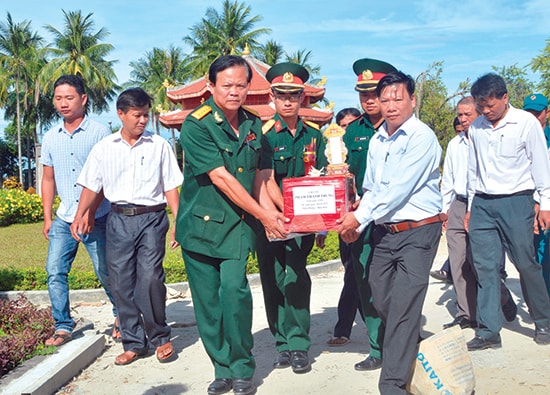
(443, 365)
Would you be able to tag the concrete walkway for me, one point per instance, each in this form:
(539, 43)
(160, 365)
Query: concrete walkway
(520, 367)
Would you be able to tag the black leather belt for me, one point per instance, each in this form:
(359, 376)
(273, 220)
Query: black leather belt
(408, 225)
(528, 192)
(462, 199)
(136, 209)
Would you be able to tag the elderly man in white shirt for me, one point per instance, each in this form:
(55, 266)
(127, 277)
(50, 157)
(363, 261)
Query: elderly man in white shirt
(455, 202)
(508, 161)
(402, 198)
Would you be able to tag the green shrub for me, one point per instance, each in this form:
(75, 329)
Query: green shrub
(19, 207)
(29, 279)
(34, 278)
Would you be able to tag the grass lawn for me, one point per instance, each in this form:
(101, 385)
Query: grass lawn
(24, 246)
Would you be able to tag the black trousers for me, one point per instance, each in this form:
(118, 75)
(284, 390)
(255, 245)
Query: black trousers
(399, 274)
(134, 252)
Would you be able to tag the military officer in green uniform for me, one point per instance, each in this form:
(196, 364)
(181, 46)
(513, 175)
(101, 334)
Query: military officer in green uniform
(217, 220)
(285, 281)
(356, 139)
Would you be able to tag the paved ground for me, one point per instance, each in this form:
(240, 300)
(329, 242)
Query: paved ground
(520, 367)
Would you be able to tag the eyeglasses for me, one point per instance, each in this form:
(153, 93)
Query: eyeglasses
(292, 97)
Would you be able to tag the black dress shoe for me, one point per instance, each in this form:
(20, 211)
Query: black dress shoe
(220, 386)
(542, 336)
(299, 362)
(441, 275)
(282, 361)
(243, 386)
(462, 321)
(371, 363)
(479, 343)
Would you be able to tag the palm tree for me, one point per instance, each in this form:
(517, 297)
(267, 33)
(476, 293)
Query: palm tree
(19, 47)
(158, 70)
(301, 57)
(78, 50)
(222, 33)
(270, 53)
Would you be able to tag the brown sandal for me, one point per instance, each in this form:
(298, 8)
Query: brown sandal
(127, 357)
(58, 339)
(165, 352)
(116, 335)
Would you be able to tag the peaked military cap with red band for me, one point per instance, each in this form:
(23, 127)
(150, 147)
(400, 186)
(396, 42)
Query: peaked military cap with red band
(370, 72)
(287, 77)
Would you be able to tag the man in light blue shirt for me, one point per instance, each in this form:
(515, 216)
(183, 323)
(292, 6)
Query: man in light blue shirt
(64, 152)
(402, 198)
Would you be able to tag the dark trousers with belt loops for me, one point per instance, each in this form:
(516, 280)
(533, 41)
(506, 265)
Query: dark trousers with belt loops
(135, 250)
(497, 221)
(399, 276)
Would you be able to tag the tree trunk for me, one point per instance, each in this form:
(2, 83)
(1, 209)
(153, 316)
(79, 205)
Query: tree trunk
(19, 156)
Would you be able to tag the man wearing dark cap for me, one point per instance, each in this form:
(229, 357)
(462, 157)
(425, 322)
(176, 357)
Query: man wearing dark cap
(537, 105)
(357, 138)
(285, 281)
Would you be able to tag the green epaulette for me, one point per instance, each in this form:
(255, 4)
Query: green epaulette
(201, 112)
(312, 124)
(251, 110)
(267, 126)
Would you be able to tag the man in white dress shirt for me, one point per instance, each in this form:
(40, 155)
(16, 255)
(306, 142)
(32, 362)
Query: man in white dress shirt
(455, 202)
(139, 174)
(508, 161)
(402, 198)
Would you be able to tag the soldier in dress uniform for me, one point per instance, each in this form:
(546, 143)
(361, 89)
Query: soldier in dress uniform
(217, 221)
(285, 280)
(357, 138)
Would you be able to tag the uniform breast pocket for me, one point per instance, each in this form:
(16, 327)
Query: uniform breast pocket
(281, 162)
(227, 154)
(251, 152)
(360, 144)
(509, 146)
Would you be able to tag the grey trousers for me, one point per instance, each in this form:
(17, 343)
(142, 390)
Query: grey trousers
(460, 259)
(505, 221)
(134, 252)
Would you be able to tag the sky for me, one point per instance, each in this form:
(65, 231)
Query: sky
(468, 36)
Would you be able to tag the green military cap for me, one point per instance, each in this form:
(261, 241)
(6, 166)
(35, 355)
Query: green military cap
(369, 72)
(287, 77)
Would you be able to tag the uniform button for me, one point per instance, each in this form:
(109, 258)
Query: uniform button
(207, 218)
(227, 150)
(360, 148)
(240, 169)
(282, 157)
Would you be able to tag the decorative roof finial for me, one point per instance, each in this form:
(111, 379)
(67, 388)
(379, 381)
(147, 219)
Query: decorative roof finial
(246, 50)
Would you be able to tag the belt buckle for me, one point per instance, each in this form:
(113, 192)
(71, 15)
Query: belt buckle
(390, 228)
(130, 211)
